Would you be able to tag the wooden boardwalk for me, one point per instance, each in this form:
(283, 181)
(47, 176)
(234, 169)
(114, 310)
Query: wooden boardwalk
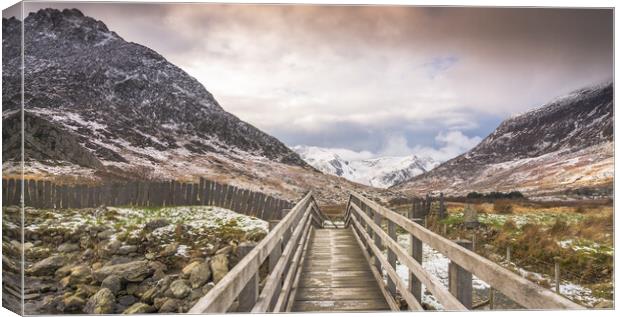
(336, 276)
(313, 268)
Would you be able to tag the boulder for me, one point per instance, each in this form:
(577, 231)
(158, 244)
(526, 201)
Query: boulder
(139, 308)
(126, 249)
(155, 224)
(225, 250)
(68, 247)
(102, 302)
(159, 302)
(200, 275)
(170, 249)
(219, 266)
(187, 270)
(86, 291)
(127, 300)
(105, 235)
(47, 266)
(255, 234)
(73, 304)
(135, 271)
(170, 305)
(113, 282)
(113, 246)
(180, 288)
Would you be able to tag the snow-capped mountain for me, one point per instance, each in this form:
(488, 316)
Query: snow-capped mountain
(381, 172)
(97, 107)
(563, 145)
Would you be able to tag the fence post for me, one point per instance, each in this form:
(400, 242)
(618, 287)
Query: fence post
(557, 274)
(508, 254)
(491, 298)
(249, 294)
(391, 257)
(415, 250)
(460, 279)
(442, 207)
(377, 239)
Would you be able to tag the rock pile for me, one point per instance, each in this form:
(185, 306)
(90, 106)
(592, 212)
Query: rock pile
(102, 270)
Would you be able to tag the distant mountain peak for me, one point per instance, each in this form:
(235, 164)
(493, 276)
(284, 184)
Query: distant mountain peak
(381, 172)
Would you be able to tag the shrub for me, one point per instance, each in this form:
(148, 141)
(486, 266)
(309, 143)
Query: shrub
(560, 227)
(502, 207)
(475, 195)
(580, 210)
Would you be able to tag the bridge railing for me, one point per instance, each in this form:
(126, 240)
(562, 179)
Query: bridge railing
(283, 250)
(366, 217)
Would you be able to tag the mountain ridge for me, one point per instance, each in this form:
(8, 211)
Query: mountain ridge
(381, 172)
(156, 104)
(538, 152)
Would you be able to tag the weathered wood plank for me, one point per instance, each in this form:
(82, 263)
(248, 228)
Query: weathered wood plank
(341, 305)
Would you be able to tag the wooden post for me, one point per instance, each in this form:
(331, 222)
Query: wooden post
(377, 239)
(249, 294)
(445, 229)
(459, 279)
(275, 255)
(416, 251)
(442, 207)
(508, 254)
(491, 298)
(473, 242)
(391, 285)
(557, 275)
(277, 251)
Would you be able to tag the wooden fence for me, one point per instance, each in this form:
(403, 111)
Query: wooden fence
(366, 218)
(46, 194)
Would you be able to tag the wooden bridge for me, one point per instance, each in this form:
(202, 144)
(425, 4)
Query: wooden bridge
(310, 264)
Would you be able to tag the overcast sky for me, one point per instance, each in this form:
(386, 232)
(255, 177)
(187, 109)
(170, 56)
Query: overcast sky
(375, 80)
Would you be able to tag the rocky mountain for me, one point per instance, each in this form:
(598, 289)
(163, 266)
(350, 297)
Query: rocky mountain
(98, 107)
(381, 172)
(562, 146)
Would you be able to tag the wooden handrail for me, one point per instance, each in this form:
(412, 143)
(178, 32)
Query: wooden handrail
(431, 282)
(515, 287)
(407, 296)
(221, 297)
(275, 278)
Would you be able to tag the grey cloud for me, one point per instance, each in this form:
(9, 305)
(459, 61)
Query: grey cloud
(354, 76)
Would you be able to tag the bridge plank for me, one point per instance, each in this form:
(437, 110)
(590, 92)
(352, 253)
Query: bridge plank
(336, 276)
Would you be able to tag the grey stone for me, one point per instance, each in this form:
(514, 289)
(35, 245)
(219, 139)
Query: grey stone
(113, 282)
(219, 266)
(180, 288)
(103, 302)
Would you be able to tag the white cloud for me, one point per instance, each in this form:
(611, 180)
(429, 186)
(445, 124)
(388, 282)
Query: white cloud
(451, 144)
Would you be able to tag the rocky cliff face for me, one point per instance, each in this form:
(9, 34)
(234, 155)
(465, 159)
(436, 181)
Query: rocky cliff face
(563, 145)
(98, 108)
(120, 101)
